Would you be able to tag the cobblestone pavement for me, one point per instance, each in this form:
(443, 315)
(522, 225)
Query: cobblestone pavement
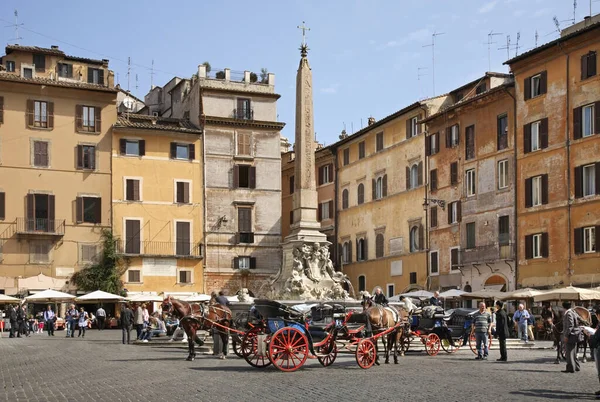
(100, 368)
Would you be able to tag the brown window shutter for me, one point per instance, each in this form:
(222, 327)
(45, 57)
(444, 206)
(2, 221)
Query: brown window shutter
(597, 168)
(173, 150)
(597, 233)
(79, 151)
(236, 262)
(437, 142)
(544, 245)
(179, 198)
(584, 65)
(407, 178)
(421, 238)
(448, 137)
(331, 173)
(30, 111)
(578, 240)
(122, 146)
(454, 173)
(597, 117)
(2, 206)
(1, 109)
(365, 249)
(544, 133)
(528, 195)
(136, 190)
(592, 64)
(433, 213)
(374, 189)
(236, 176)
(428, 146)
(192, 152)
(30, 210)
(577, 128)
(51, 212)
(93, 159)
(384, 185)
(543, 82)
(186, 193)
(449, 213)
(458, 211)
(407, 129)
(142, 146)
(129, 190)
(544, 189)
(252, 177)
(419, 128)
(529, 247)
(527, 88)
(320, 212)
(420, 173)
(527, 138)
(78, 117)
(578, 181)
(458, 134)
(252, 262)
(50, 110)
(79, 209)
(98, 119)
(330, 209)
(98, 211)
(433, 179)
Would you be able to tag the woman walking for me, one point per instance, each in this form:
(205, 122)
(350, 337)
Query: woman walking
(83, 322)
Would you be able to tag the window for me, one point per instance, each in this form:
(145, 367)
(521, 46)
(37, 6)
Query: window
(379, 142)
(502, 132)
(65, 70)
(132, 236)
(454, 212)
(2, 206)
(589, 240)
(244, 176)
(134, 276)
(27, 73)
(40, 209)
(434, 219)
(390, 290)
(470, 181)
(535, 136)
(502, 174)
(413, 127)
(480, 88)
(347, 252)
(361, 250)
(536, 191)
(243, 111)
(88, 209)
(243, 144)
(379, 245)
(361, 150)
(470, 235)
(292, 185)
(588, 120)
(86, 157)
(413, 278)
(10, 66)
(183, 151)
(454, 259)
(41, 156)
(432, 144)
(325, 174)
(433, 183)
(535, 85)
(185, 276)
(244, 262)
(589, 180)
(132, 147)
(362, 283)
(379, 188)
(40, 114)
(536, 246)
(345, 198)
(588, 65)
(325, 210)
(346, 156)
(291, 217)
(245, 234)
(39, 60)
(414, 176)
(470, 142)
(95, 76)
(433, 263)
(452, 136)
(89, 253)
(182, 192)
(414, 239)
(361, 193)
(39, 251)
(132, 190)
(183, 245)
(536, 89)
(503, 230)
(454, 173)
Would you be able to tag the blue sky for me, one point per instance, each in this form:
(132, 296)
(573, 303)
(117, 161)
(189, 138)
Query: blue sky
(365, 54)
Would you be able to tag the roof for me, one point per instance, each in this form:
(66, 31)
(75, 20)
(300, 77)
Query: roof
(128, 93)
(4, 76)
(144, 122)
(240, 91)
(226, 121)
(475, 81)
(553, 43)
(54, 52)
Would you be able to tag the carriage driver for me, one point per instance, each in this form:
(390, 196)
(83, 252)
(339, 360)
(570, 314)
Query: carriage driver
(379, 297)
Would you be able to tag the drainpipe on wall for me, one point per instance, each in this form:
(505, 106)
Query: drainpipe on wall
(335, 206)
(425, 201)
(515, 184)
(202, 121)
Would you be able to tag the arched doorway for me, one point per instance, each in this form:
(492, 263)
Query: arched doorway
(496, 282)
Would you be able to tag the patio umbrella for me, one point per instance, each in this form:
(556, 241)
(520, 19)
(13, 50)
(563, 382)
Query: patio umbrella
(99, 296)
(8, 299)
(49, 295)
(419, 294)
(569, 293)
(145, 298)
(198, 298)
(520, 294)
(484, 294)
(452, 294)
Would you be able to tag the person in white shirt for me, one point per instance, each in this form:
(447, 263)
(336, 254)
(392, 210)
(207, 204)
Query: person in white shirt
(100, 317)
(408, 304)
(83, 322)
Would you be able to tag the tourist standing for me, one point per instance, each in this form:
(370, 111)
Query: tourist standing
(12, 315)
(595, 344)
(83, 322)
(71, 320)
(571, 334)
(221, 345)
(138, 319)
(521, 317)
(126, 322)
(100, 317)
(481, 326)
(49, 319)
(23, 325)
(145, 315)
(501, 329)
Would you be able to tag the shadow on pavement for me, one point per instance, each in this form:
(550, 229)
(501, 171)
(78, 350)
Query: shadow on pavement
(554, 394)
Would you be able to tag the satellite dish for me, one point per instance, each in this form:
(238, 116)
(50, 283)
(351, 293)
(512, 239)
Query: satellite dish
(128, 102)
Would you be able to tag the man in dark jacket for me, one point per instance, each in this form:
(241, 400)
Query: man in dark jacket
(126, 322)
(379, 297)
(12, 316)
(220, 347)
(501, 329)
(571, 332)
(222, 300)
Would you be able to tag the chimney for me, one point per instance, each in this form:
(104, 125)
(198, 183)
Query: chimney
(343, 135)
(371, 120)
(586, 20)
(54, 47)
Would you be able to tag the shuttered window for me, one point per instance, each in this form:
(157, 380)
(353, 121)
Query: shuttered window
(185, 276)
(361, 150)
(379, 142)
(454, 173)
(502, 132)
(588, 65)
(535, 85)
(379, 245)
(132, 147)
(65, 70)
(326, 174)
(503, 230)
(88, 119)
(346, 156)
(244, 220)
(86, 157)
(132, 190)
(470, 142)
(1, 109)
(345, 198)
(2, 206)
(134, 276)
(433, 182)
(470, 235)
(433, 212)
(587, 180)
(182, 233)
(40, 114)
(182, 151)
(40, 62)
(88, 209)
(361, 194)
(244, 144)
(41, 156)
(244, 176)
(454, 259)
(433, 263)
(292, 185)
(182, 192)
(95, 76)
(132, 237)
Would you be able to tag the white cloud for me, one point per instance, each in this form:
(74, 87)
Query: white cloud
(486, 8)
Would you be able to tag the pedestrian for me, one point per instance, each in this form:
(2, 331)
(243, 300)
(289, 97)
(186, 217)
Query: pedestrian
(24, 326)
(12, 319)
(571, 332)
(481, 326)
(595, 344)
(83, 322)
(49, 320)
(501, 329)
(100, 317)
(145, 315)
(220, 335)
(20, 321)
(126, 322)
(71, 320)
(530, 327)
(138, 319)
(521, 317)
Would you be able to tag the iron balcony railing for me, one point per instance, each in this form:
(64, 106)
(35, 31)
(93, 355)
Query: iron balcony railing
(243, 114)
(487, 253)
(160, 249)
(35, 226)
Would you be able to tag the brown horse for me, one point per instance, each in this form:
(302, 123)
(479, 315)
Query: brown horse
(195, 317)
(584, 317)
(380, 319)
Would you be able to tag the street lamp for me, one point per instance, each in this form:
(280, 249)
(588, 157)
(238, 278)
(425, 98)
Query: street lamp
(441, 203)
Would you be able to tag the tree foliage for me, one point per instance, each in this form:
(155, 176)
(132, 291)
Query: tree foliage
(208, 67)
(106, 273)
(264, 75)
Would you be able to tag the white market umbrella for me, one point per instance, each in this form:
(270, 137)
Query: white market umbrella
(452, 294)
(569, 293)
(8, 299)
(49, 295)
(198, 298)
(145, 298)
(484, 294)
(99, 296)
(526, 293)
(418, 294)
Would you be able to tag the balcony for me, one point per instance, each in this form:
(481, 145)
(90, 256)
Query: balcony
(243, 114)
(488, 253)
(46, 227)
(160, 249)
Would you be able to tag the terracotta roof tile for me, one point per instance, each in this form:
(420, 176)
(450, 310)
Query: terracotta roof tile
(145, 122)
(55, 52)
(4, 76)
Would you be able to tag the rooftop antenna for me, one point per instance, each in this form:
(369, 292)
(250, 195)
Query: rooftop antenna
(352, 126)
(117, 78)
(152, 75)
(136, 82)
(16, 26)
(419, 75)
(433, 35)
(556, 24)
(490, 42)
(536, 37)
(361, 123)
(572, 20)
(128, 71)
(517, 45)
(507, 47)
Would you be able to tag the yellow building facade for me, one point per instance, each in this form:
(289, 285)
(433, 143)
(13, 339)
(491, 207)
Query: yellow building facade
(158, 203)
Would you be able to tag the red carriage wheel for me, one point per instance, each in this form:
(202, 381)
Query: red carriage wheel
(447, 346)
(249, 349)
(288, 349)
(328, 354)
(366, 354)
(432, 344)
